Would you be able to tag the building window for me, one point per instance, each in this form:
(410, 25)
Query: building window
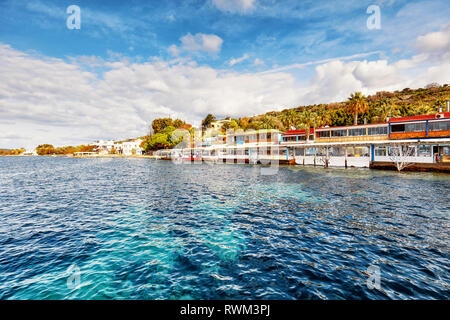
(358, 151)
(357, 132)
(323, 134)
(446, 151)
(336, 151)
(424, 151)
(309, 151)
(439, 126)
(415, 127)
(339, 133)
(375, 131)
(289, 138)
(398, 128)
(299, 151)
(409, 151)
(321, 151)
(394, 151)
(380, 151)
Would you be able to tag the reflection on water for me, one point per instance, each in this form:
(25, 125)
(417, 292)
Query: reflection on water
(145, 229)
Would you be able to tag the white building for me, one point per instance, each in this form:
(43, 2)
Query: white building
(127, 148)
(30, 153)
(132, 147)
(217, 125)
(104, 147)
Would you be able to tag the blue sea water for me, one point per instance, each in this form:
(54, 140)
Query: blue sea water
(148, 229)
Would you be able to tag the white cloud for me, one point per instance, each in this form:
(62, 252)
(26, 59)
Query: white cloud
(318, 62)
(235, 5)
(335, 80)
(436, 44)
(233, 61)
(258, 62)
(173, 50)
(48, 100)
(210, 43)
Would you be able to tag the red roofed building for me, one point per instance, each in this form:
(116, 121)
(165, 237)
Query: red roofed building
(424, 126)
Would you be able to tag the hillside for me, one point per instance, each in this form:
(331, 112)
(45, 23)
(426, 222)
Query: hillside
(407, 102)
(372, 109)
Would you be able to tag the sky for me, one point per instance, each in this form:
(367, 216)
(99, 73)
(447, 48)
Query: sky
(130, 62)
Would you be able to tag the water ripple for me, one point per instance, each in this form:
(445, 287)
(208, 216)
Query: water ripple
(144, 229)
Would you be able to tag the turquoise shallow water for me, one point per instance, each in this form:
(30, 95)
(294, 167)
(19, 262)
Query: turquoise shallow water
(146, 229)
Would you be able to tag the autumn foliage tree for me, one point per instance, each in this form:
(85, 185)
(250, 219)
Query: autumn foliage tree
(11, 152)
(158, 125)
(48, 149)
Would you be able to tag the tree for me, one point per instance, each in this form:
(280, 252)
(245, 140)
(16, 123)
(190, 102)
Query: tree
(230, 125)
(177, 123)
(323, 118)
(168, 130)
(45, 149)
(162, 140)
(270, 122)
(160, 124)
(340, 117)
(307, 120)
(383, 109)
(244, 123)
(11, 152)
(157, 141)
(401, 155)
(356, 104)
(324, 156)
(181, 138)
(206, 123)
(288, 118)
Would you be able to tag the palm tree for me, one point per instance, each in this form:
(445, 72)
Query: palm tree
(357, 104)
(268, 122)
(385, 108)
(288, 118)
(306, 120)
(206, 123)
(322, 119)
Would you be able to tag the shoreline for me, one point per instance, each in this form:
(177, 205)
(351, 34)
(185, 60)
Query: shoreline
(91, 156)
(413, 167)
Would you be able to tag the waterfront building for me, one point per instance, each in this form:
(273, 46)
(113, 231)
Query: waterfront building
(127, 147)
(132, 147)
(217, 125)
(30, 153)
(420, 140)
(103, 147)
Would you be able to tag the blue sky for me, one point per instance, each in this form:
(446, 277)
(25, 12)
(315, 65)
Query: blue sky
(276, 32)
(282, 52)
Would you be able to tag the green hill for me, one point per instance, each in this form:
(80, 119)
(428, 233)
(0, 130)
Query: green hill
(408, 102)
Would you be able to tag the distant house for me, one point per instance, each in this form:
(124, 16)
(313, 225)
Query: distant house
(132, 147)
(126, 148)
(219, 123)
(104, 147)
(30, 153)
